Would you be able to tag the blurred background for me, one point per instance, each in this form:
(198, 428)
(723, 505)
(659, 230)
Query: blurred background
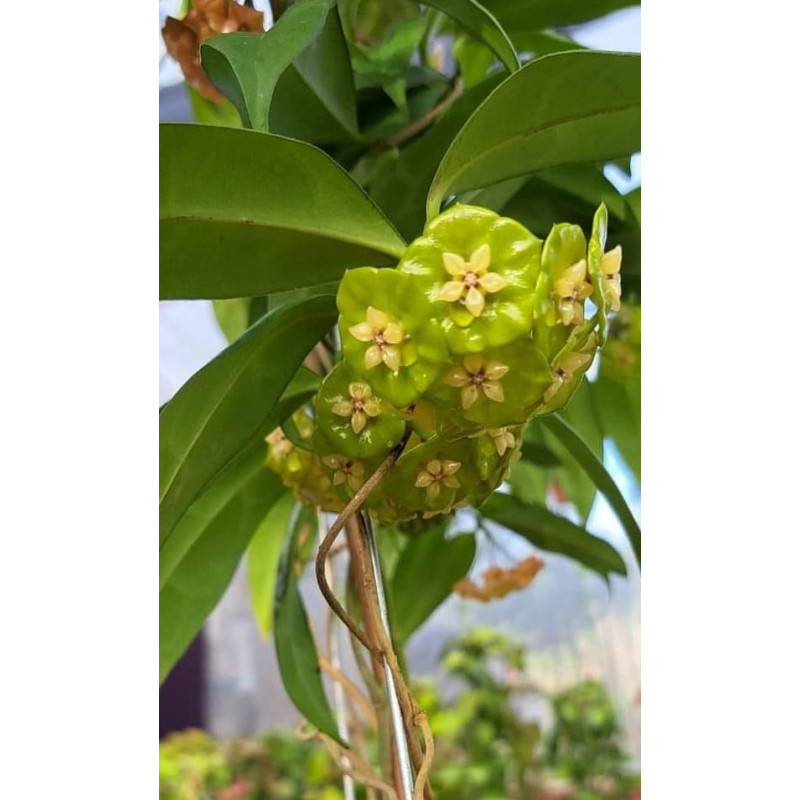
(567, 638)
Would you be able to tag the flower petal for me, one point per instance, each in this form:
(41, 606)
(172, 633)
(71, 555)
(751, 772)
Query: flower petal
(391, 357)
(373, 357)
(372, 407)
(612, 261)
(393, 333)
(433, 491)
(495, 370)
(479, 261)
(377, 319)
(551, 390)
(354, 482)
(357, 468)
(359, 390)
(358, 421)
(474, 302)
(454, 264)
(362, 332)
(451, 481)
(570, 279)
(451, 467)
(469, 396)
(344, 408)
(451, 291)
(334, 462)
(613, 287)
(494, 391)
(339, 478)
(458, 378)
(423, 479)
(473, 363)
(434, 466)
(566, 311)
(492, 282)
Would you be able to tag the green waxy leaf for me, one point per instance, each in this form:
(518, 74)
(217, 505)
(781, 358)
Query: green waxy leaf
(246, 67)
(417, 590)
(482, 24)
(295, 649)
(538, 453)
(619, 407)
(246, 214)
(194, 580)
(522, 16)
(566, 108)
(263, 556)
(597, 472)
(232, 316)
(547, 531)
(230, 401)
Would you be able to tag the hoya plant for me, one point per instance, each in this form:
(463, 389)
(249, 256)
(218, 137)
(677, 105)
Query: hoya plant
(401, 215)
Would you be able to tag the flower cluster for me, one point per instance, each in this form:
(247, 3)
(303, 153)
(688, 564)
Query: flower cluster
(479, 328)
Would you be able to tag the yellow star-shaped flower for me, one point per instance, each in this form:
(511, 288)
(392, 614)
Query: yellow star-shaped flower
(472, 280)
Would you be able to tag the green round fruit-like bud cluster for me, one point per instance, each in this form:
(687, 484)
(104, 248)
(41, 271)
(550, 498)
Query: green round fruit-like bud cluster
(479, 328)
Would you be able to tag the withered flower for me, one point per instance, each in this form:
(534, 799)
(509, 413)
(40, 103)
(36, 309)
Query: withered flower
(205, 19)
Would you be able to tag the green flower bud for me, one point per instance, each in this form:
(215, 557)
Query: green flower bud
(478, 270)
(604, 271)
(355, 421)
(388, 334)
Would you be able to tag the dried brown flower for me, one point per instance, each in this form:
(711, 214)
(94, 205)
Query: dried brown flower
(206, 18)
(498, 582)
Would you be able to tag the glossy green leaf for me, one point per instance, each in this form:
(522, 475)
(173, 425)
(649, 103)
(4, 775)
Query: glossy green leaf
(566, 108)
(194, 586)
(539, 454)
(263, 556)
(547, 531)
(619, 407)
(246, 67)
(541, 43)
(207, 112)
(232, 316)
(518, 16)
(475, 60)
(482, 24)
(229, 480)
(597, 472)
(401, 187)
(246, 213)
(581, 414)
(424, 575)
(295, 649)
(231, 400)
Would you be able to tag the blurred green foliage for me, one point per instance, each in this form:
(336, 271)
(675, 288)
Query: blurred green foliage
(486, 747)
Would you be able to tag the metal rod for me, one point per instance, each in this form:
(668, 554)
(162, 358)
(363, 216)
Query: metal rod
(340, 707)
(398, 728)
